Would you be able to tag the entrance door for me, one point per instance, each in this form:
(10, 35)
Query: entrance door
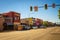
(8, 27)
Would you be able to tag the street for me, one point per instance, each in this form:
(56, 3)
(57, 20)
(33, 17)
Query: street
(50, 33)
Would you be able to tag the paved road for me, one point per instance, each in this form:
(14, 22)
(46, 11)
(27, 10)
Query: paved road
(52, 33)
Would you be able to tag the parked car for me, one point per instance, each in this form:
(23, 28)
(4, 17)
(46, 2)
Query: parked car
(25, 27)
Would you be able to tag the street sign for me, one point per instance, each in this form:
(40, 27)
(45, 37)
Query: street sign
(53, 5)
(35, 8)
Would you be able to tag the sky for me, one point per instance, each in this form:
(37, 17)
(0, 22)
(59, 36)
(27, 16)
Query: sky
(23, 7)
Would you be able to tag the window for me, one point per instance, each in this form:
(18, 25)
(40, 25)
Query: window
(17, 18)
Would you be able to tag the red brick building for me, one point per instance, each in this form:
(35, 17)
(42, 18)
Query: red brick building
(1, 22)
(12, 17)
(12, 20)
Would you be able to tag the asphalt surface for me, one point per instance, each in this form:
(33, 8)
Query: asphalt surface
(51, 33)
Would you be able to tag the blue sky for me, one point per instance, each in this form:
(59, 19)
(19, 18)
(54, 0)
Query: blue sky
(23, 7)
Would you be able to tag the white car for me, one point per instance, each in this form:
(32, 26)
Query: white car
(26, 27)
(42, 26)
(34, 27)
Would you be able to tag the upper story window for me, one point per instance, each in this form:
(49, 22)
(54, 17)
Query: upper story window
(17, 18)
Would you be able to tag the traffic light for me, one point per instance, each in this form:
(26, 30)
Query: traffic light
(35, 8)
(53, 5)
(59, 13)
(59, 16)
(46, 6)
(31, 8)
